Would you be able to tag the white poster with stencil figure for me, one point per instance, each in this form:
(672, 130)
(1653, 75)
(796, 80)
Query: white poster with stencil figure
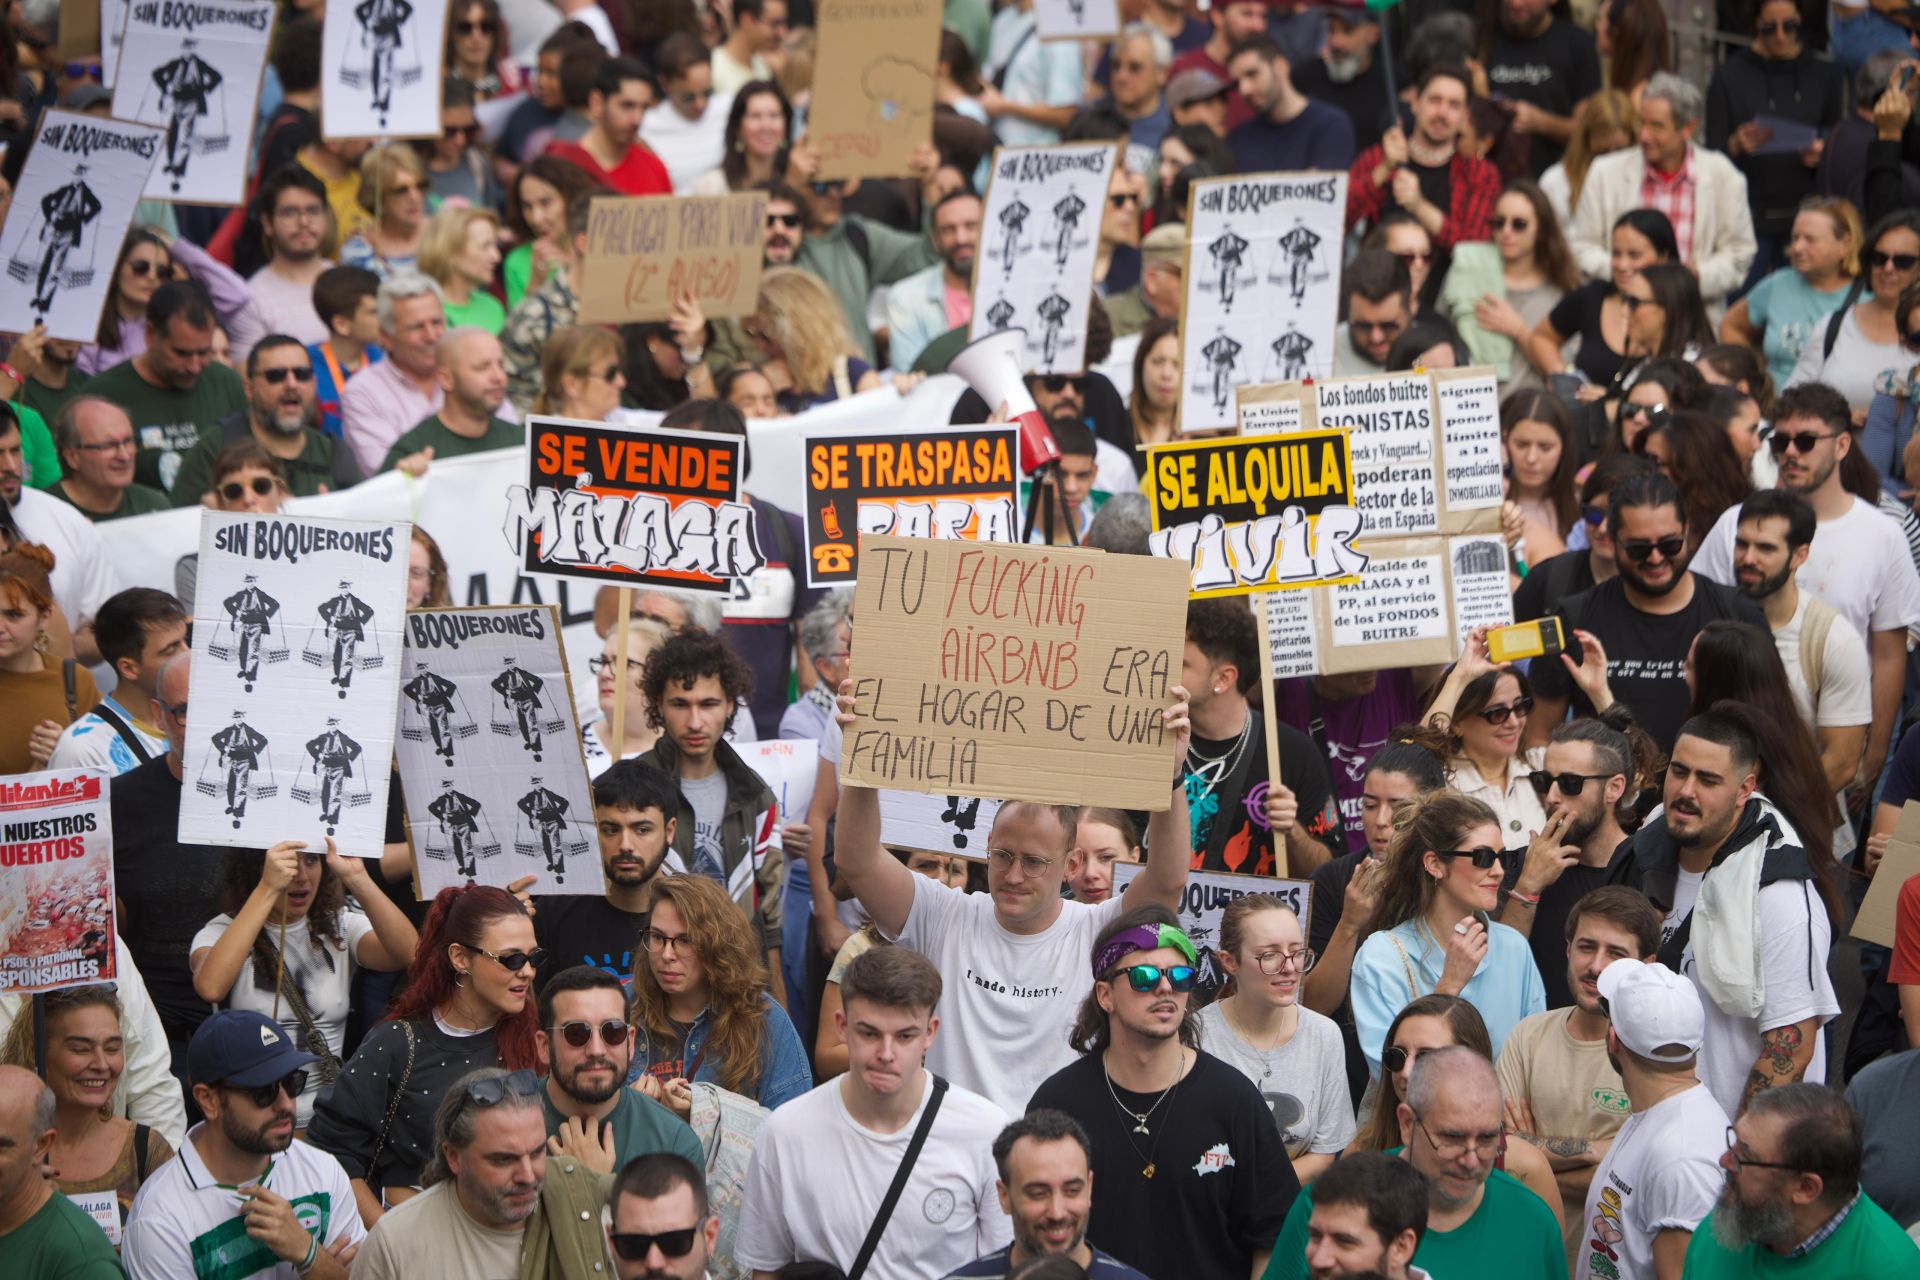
(1077, 19)
(194, 70)
(380, 68)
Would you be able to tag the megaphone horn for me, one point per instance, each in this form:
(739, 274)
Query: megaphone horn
(991, 366)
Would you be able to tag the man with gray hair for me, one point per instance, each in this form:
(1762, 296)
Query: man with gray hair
(473, 375)
(491, 1192)
(43, 1235)
(1136, 81)
(1480, 1220)
(1700, 191)
(387, 400)
(1121, 525)
(826, 632)
(95, 439)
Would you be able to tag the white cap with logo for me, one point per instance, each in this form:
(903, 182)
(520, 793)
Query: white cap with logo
(1652, 1007)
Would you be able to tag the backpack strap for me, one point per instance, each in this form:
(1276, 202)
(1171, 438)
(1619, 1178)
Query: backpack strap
(142, 1134)
(125, 730)
(70, 680)
(1814, 629)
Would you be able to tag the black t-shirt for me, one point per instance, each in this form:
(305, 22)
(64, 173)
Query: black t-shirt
(1363, 98)
(1222, 1182)
(1548, 936)
(1229, 818)
(1436, 184)
(168, 890)
(290, 129)
(763, 611)
(1541, 591)
(1106, 412)
(577, 929)
(1554, 71)
(1646, 652)
(1578, 315)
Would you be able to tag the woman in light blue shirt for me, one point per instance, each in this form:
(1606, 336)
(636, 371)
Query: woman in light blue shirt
(1434, 931)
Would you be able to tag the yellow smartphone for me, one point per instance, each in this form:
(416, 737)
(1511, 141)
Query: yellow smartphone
(1540, 638)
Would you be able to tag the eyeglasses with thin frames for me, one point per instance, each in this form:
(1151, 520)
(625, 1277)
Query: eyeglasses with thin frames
(109, 446)
(1030, 864)
(1742, 1162)
(1484, 1145)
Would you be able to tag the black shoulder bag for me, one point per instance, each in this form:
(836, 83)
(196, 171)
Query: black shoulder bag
(872, 1242)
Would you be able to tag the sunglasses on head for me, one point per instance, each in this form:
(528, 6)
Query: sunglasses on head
(1640, 550)
(1146, 977)
(1498, 715)
(633, 1246)
(1055, 383)
(265, 1095)
(299, 373)
(497, 1089)
(1898, 261)
(579, 1034)
(783, 219)
(1802, 442)
(233, 490)
(1481, 856)
(482, 27)
(1501, 223)
(1571, 784)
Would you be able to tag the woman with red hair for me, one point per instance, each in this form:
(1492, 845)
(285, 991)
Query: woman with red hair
(468, 1003)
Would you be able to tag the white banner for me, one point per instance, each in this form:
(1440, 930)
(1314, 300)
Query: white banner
(56, 881)
(1077, 19)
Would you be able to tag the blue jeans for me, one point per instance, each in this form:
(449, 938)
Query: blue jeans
(796, 902)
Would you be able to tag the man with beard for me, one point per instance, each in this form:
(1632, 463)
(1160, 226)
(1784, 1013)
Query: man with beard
(1545, 66)
(659, 1210)
(1348, 74)
(1562, 1093)
(1657, 1181)
(473, 373)
(634, 805)
(610, 152)
(1190, 1176)
(1644, 618)
(292, 207)
(1480, 1220)
(928, 303)
(824, 1162)
(1289, 130)
(1792, 1204)
(280, 417)
(226, 1204)
(588, 1046)
(1744, 916)
(1046, 1186)
(1858, 562)
(1448, 190)
(1369, 1215)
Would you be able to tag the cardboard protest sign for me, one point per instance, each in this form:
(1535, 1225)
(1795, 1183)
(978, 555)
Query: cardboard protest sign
(80, 29)
(943, 824)
(873, 82)
(1077, 19)
(1875, 920)
(1262, 280)
(1039, 237)
(1014, 672)
(788, 766)
(948, 484)
(56, 863)
(71, 209)
(644, 253)
(1426, 480)
(380, 68)
(632, 507)
(1257, 513)
(489, 752)
(1205, 899)
(295, 681)
(194, 69)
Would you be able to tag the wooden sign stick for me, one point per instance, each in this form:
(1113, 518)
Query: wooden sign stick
(617, 748)
(1270, 721)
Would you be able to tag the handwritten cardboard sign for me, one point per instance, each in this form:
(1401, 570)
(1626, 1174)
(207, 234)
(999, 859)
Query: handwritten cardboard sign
(873, 85)
(1014, 672)
(1878, 912)
(956, 484)
(633, 507)
(642, 253)
(56, 881)
(1257, 513)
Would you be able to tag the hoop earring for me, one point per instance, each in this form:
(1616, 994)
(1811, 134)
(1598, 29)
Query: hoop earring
(459, 977)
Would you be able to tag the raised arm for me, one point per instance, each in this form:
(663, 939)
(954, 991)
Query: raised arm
(883, 885)
(1169, 837)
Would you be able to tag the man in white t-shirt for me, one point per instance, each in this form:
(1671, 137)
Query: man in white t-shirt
(1858, 561)
(243, 1197)
(1662, 1174)
(1018, 953)
(138, 630)
(1745, 921)
(824, 1162)
(688, 129)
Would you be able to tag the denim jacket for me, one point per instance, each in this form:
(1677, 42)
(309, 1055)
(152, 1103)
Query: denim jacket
(783, 1075)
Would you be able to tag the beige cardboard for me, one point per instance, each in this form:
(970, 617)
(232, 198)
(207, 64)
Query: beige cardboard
(643, 251)
(79, 29)
(873, 85)
(1061, 658)
(1901, 861)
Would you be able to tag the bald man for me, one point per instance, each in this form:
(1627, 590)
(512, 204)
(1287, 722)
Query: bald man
(43, 1236)
(474, 376)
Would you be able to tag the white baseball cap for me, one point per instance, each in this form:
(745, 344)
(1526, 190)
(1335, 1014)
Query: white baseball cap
(1652, 1007)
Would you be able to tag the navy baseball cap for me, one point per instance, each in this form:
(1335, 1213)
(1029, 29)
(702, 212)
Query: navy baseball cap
(241, 1047)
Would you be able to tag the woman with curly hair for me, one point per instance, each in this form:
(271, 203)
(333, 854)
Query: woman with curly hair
(537, 204)
(468, 1003)
(282, 945)
(701, 1006)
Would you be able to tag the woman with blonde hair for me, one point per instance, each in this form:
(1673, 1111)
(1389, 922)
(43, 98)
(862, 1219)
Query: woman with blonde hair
(1606, 122)
(461, 249)
(810, 357)
(393, 189)
(1789, 307)
(701, 1009)
(643, 636)
(580, 374)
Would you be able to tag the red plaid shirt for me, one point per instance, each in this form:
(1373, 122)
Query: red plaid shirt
(1672, 194)
(1474, 187)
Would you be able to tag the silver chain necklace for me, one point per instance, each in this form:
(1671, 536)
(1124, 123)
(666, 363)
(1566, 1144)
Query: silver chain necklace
(1212, 770)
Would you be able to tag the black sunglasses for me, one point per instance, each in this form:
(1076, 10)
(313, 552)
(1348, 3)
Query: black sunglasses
(265, 1095)
(1801, 441)
(1571, 784)
(1395, 1059)
(633, 1246)
(783, 219)
(1482, 857)
(828, 188)
(1055, 383)
(475, 28)
(1122, 199)
(1145, 977)
(1788, 28)
(1898, 261)
(142, 266)
(299, 373)
(233, 490)
(1502, 223)
(1520, 706)
(1640, 550)
(516, 960)
(467, 131)
(579, 1034)
(497, 1089)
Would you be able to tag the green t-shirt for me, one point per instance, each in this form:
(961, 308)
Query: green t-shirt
(167, 423)
(322, 461)
(45, 400)
(139, 500)
(499, 434)
(36, 446)
(516, 272)
(1511, 1235)
(641, 1127)
(59, 1242)
(483, 311)
(1869, 1244)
